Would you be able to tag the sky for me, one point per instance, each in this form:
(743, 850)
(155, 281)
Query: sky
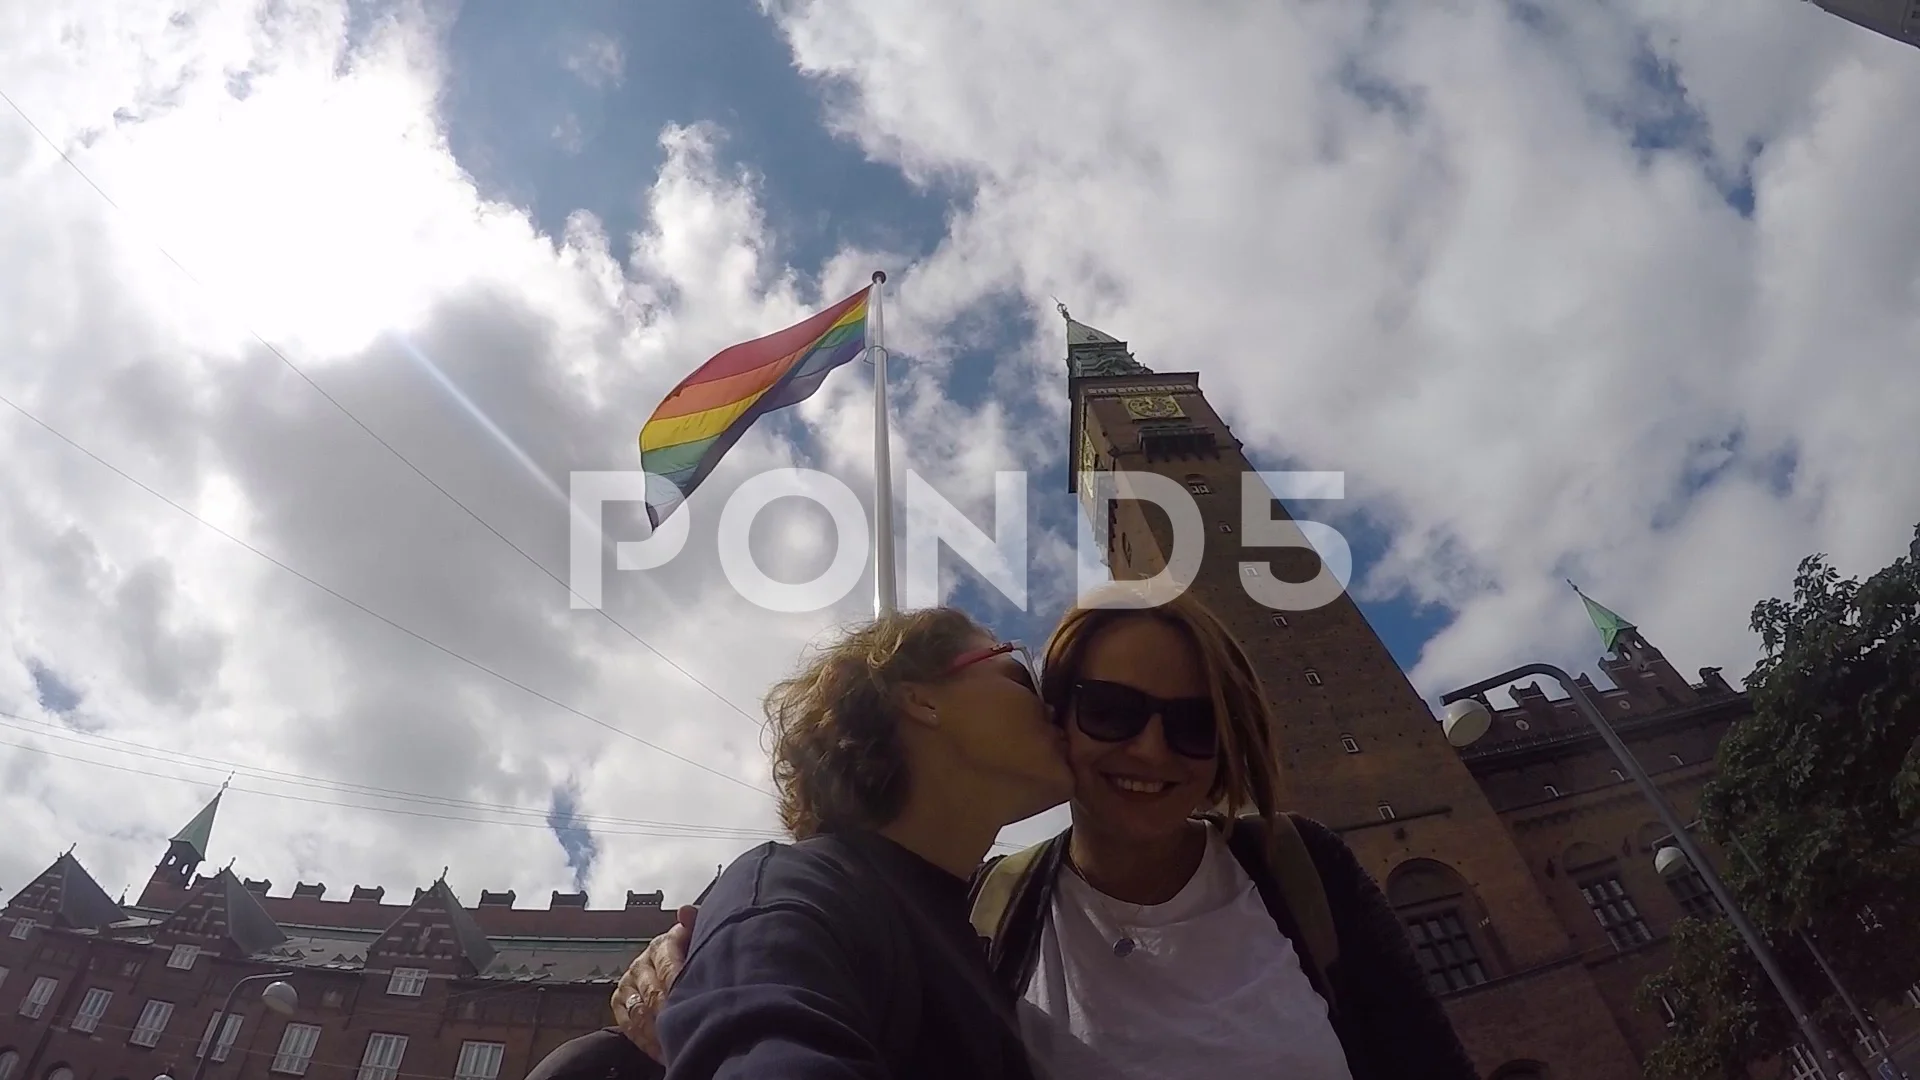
(313, 310)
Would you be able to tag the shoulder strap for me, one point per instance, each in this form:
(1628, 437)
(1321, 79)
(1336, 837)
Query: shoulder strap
(993, 889)
(1280, 864)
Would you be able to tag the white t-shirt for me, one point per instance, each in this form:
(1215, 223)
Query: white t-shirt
(1211, 989)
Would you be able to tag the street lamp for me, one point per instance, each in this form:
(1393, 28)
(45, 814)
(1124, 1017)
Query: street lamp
(278, 996)
(1467, 719)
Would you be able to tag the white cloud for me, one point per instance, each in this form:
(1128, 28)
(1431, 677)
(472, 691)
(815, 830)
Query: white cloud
(597, 60)
(1417, 243)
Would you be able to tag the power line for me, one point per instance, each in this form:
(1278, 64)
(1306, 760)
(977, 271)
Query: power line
(477, 665)
(45, 729)
(598, 824)
(375, 436)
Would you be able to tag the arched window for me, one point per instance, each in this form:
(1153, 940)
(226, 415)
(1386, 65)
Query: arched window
(1442, 917)
(60, 1072)
(9, 1064)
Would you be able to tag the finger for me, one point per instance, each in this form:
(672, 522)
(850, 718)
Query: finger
(685, 916)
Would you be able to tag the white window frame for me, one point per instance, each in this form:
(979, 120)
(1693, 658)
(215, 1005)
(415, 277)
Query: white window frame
(3, 982)
(153, 1023)
(381, 1061)
(1314, 679)
(229, 1034)
(9, 1062)
(183, 957)
(297, 1044)
(34, 1005)
(1913, 995)
(1386, 811)
(1552, 792)
(1199, 487)
(21, 928)
(407, 982)
(92, 1008)
(480, 1060)
(1350, 744)
(1279, 619)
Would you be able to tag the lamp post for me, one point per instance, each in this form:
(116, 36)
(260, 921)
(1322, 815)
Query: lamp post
(1669, 861)
(278, 996)
(1466, 720)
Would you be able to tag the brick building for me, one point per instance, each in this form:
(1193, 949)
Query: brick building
(92, 989)
(1522, 865)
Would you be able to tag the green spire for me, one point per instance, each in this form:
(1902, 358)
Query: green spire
(1094, 353)
(1611, 626)
(198, 834)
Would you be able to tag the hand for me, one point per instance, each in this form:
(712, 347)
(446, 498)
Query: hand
(636, 1000)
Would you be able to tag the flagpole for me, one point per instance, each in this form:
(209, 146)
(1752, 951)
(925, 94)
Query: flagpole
(884, 602)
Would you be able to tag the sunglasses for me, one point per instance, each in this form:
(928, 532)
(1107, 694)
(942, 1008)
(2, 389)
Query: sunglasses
(1115, 712)
(1023, 674)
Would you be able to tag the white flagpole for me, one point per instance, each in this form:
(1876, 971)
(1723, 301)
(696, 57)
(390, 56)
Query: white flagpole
(884, 602)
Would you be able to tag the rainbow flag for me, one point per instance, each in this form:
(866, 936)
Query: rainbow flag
(708, 412)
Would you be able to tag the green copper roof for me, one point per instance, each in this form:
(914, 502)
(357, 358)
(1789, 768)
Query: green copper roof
(199, 832)
(1611, 626)
(1093, 353)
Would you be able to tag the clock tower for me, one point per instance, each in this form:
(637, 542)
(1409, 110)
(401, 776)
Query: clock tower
(1360, 751)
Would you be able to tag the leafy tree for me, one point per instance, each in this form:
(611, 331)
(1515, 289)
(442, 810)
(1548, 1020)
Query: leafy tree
(1820, 789)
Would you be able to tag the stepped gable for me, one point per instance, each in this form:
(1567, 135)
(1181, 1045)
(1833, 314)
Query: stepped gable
(221, 914)
(65, 895)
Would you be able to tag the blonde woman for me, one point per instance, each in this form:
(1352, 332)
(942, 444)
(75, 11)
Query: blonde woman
(1153, 939)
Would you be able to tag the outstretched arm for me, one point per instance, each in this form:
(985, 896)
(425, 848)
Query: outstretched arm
(772, 992)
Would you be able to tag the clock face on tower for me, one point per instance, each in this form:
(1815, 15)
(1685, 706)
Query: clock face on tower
(1152, 407)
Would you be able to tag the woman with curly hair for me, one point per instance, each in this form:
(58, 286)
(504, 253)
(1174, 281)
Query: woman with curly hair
(900, 751)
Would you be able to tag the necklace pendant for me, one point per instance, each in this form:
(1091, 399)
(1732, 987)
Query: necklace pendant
(1123, 947)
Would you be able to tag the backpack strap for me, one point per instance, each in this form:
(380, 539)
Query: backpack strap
(1010, 898)
(1283, 869)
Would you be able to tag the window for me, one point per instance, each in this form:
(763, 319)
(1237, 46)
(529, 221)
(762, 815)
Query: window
(37, 998)
(9, 1060)
(1617, 774)
(1279, 619)
(61, 1073)
(1523, 725)
(21, 928)
(92, 1009)
(1250, 569)
(1615, 912)
(1446, 952)
(1199, 487)
(1667, 1009)
(1676, 759)
(183, 957)
(1869, 921)
(130, 969)
(1226, 527)
(479, 1060)
(1552, 792)
(331, 999)
(1349, 744)
(1386, 812)
(1313, 678)
(1800, 1063)
(1912, 996)
(296, 1049)
(1696, 900)
(227, 1036)
(3, 982)
(382, 1059)
(153, 1021)
(407, 982)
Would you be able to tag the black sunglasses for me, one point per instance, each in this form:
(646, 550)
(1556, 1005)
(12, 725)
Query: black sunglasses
(1115, 712)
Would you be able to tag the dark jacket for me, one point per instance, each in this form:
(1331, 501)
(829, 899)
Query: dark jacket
(1388, 1020)
(598, 1055)
(842, 956)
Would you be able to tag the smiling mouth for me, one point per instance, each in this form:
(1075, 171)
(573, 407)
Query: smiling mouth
(1133, 785)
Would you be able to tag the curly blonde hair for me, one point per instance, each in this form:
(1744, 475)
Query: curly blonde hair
(838, 761)
(1248, 773)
